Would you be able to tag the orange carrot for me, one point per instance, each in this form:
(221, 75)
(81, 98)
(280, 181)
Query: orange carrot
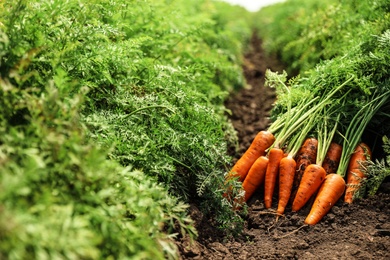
(306, 155)
(332, 158)
(312, 179)
(262, 141)
(274, 156)
(330, 192)
(355, 175)
(255, 176)
(286, 177)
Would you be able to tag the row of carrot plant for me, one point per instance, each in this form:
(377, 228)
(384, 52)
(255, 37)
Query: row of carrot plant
(111, 122)
(323, 117)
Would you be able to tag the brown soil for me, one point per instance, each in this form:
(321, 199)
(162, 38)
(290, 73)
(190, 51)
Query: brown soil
(357, 231)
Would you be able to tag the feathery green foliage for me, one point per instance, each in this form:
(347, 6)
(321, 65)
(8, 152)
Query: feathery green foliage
(379, 169)
(112, 118)
(303, 33)
(61, 197)
(333, 43)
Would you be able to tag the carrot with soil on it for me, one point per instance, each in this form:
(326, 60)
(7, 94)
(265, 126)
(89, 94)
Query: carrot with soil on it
(355, 173)
(314, 174)
(287, 168)
(309, 152)
(332, 158)
(255, 177)
(312, 179)
(288, 124)
(332, 189)
(306, 155)
(275, 156)
(330, 192)
(350, 158)
(286, 178)
(258, 147)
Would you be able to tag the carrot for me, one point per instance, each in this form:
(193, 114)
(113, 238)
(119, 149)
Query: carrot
(289, 125)
(293, 121)
(312, 179)
(288, 165)
(332, 158)
(255, 176)
(275, 155)
(286, 177)
(355, 175)
(330, 192)
(306, 155)
(262, 141)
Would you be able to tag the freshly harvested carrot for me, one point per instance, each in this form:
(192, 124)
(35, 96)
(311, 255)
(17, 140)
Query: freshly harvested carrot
(286, 178)
(355, 175)
(306, 155)
(275, 156)
(255, 176)
(262, 141)
(312, 179)
(332, 158)
(330, 192)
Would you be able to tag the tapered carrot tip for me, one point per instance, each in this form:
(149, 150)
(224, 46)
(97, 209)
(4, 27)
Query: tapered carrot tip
(287, 168)
(349, 193)
(330, 192)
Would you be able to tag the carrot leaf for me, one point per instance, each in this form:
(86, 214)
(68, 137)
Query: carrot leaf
(379, 170)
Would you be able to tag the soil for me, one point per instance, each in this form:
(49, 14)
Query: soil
(349, 231)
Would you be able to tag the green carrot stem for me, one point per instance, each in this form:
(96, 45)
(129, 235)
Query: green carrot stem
(293, 121)
(144, 108)
(356, 127)
(325, 139)
(281, 120)
(298, 139)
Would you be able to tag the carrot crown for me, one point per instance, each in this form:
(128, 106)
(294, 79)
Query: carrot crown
(301, 118)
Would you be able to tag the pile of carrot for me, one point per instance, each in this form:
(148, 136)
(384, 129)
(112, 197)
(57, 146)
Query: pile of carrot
(257, 167)
(308, 156)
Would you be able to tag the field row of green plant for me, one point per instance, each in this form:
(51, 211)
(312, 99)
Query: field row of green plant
(304, 33)
(111, 121)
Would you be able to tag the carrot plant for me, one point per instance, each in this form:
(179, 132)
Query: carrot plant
(62, 195)
(314, 174)
(377, 170)
(304, 33)
(335, 184)
(326, 56)
(290, 166)
(290, 130)
(354, 132)
(352, 106)
(112, 118)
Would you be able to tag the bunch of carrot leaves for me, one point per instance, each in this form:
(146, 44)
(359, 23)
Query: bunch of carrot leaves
(353, 85)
